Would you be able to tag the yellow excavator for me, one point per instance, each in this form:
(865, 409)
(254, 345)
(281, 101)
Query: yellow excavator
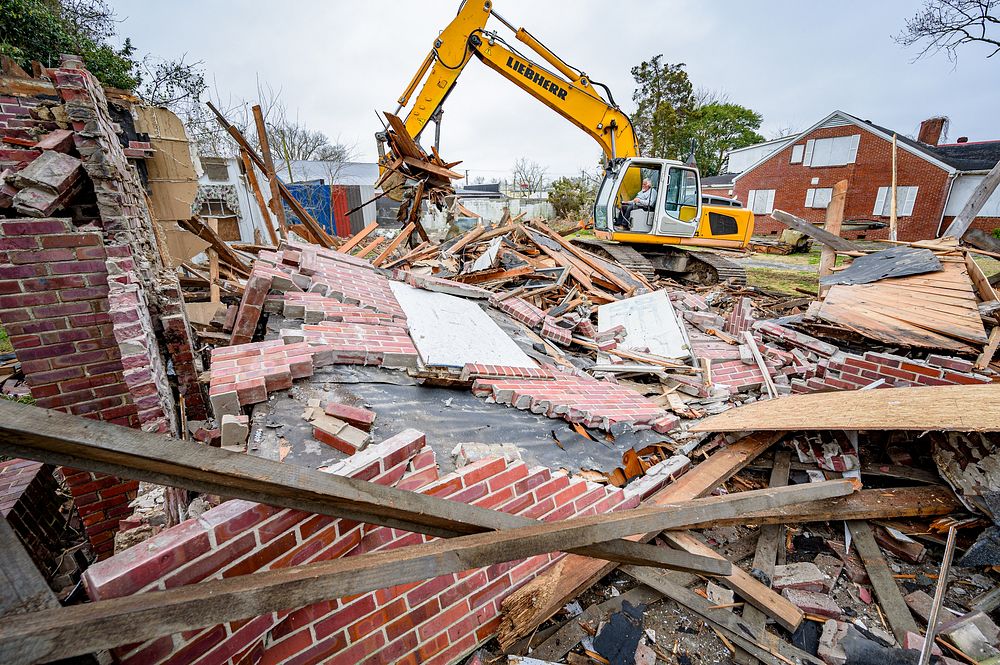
(647, 210)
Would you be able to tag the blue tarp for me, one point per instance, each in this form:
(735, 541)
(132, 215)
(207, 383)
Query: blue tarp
(315, 198)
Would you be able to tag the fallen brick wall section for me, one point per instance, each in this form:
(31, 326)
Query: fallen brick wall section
(30, 503)
(578, 399)
(848, 371)
(433, 621)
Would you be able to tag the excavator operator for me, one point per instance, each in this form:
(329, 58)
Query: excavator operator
(645, 199)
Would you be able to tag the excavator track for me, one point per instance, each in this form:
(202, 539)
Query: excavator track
(703, 266)
(625, 255)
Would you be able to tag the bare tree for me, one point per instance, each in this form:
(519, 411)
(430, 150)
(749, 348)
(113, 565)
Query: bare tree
(706, 96)
(528, 175)
(784, 131)
(945, 25)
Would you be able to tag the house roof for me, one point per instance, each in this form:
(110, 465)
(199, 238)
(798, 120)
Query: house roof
(720, 180)
(951, 158)
(331, 173)
(978, 156)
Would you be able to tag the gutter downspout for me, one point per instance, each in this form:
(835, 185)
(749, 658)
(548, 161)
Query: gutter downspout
(951, 186)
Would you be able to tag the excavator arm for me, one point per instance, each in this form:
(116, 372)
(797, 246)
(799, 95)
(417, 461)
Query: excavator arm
(567, 91)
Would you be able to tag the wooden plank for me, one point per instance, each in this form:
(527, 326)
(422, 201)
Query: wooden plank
(265, 211)
(57, 438)
(980, 281)
(886, 590)
(286, 195)
(873, 504)
(772, 390)
(772, 534)
(815, 232)
(834, 218)
(22, 587)
(431, 167)
(579, 573)
(198, 227)
(369, 248)
(770, 649)
(356, 239)
(974, 204)
(60, 633)
(932, 408)
(748, 587)
(396, 242)
(986, 357)
(272, 177)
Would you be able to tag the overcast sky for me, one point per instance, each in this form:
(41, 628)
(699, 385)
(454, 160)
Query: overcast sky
(336, 62)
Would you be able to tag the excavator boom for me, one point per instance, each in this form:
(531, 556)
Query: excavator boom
(567, 91)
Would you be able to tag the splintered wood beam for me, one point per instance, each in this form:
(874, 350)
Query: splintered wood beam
(815, 232)
(356, 239)
(980, 195)
(766, 553)
(58, 438)
(579, 574)
(834, 219)
(873, 504)
(324, 238)
(272, 177)
(396, 242)
(69, 631)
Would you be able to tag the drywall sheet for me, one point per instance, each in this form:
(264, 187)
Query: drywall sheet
(452, 331)
(651, 323)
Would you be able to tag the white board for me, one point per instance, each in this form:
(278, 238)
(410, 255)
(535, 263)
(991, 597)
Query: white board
(651, 323)
(452, 331)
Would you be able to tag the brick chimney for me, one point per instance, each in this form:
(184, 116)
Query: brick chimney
(931, 130)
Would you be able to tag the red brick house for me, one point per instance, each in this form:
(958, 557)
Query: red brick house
(933, 181)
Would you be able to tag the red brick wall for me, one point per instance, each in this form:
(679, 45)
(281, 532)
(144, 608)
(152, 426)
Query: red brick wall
(434, 621)
(871, 170)
(987, 224)
(29, 502)
(54, 305)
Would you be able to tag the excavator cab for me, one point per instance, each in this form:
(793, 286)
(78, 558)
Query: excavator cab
(674, 207)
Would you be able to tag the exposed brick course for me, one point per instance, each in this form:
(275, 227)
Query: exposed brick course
(432, 621)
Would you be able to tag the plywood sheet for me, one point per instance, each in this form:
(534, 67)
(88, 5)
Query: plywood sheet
(651, 323)
(944, 408)
(450, 331)
(935, 310)
(173, 181)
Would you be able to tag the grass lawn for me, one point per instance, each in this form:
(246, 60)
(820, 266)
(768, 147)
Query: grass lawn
(783, 281)
(5, 345)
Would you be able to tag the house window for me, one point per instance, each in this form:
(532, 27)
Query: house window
(797, 154)
(215, 168)
(905, 198)
(835, 151)
(819, 197)
(760, 201)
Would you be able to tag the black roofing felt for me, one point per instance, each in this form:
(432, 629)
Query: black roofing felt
(980, 156)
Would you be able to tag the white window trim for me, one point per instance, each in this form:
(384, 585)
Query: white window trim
(906, 198)
(811, 197)
(765, 196)
(810, 151)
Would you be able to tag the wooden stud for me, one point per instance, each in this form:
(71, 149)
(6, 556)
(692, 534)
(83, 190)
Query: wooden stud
(886, 590)
(272, 177)
(69, 631)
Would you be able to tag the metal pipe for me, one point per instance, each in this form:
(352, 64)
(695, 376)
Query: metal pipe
(942, 585)
(547, 55)
(424, 66)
